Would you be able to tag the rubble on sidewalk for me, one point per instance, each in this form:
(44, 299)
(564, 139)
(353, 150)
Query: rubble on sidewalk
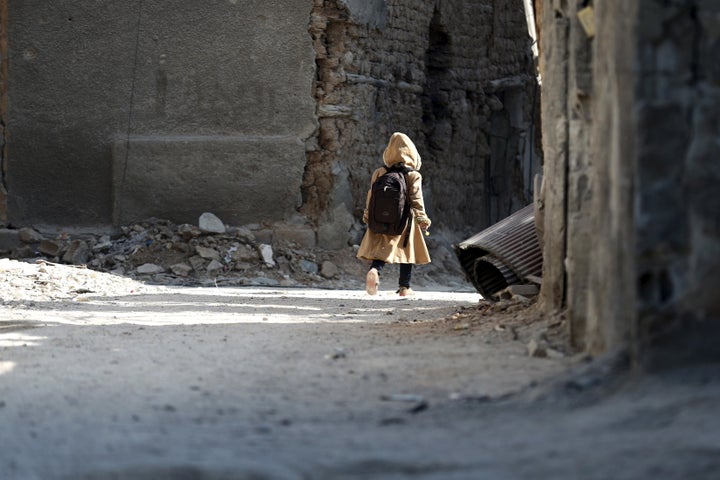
(210, 253)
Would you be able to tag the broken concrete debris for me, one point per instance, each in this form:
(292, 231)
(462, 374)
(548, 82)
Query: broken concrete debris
(159, 251)
(267, 255)
(150, 268)
(209, 223)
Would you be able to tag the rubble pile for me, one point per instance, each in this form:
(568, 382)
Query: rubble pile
(158, 251)
(42, 281)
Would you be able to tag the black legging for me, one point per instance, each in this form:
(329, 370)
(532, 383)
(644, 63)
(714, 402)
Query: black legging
(405, 271)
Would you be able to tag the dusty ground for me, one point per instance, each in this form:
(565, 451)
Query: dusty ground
(102, 377)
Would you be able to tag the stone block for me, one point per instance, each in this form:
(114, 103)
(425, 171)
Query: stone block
(210, 223)
(78, 253)
(181, 269)
(204, 76)
(179, 178)
(207, 253)
(149, 269)
(49, 248)
(9, 239)
(29, 235)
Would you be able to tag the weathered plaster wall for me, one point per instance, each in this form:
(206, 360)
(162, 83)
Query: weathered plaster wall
(457, 76)
(123, 110)
(3, 109)
(632, 256)
(194, 98)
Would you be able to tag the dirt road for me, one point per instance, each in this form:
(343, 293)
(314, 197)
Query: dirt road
(258, 383)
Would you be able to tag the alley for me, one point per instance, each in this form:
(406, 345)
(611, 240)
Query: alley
(258, 383)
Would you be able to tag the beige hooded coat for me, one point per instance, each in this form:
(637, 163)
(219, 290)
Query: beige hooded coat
(389, 248)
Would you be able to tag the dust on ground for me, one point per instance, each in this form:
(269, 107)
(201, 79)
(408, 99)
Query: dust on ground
(106, 377)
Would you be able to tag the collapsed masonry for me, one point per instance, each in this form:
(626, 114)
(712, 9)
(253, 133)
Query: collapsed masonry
(456, 76)
(256, 115)
(209, 252)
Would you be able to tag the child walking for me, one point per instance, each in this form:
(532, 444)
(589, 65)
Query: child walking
(409, 248)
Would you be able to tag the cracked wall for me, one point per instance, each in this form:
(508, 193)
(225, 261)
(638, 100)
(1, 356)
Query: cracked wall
(632, 237)
(254, 112)
(457, 76)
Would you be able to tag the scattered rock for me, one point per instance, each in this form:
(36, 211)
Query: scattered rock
(537, 348)
(243, 253)
(149, 268)
(329, 269)
(214, 266)
(518, 291)
(29, 235)
(245, 235)
(253, 254)
(197, 262)
(103, 244)
(308, 267)
(338, 354)
(209, 223)
(181, 269)
(207, 253)
(266, 252)
(77, 253)
(188, 231)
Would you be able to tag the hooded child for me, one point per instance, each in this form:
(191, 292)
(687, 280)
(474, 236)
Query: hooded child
(382, 249)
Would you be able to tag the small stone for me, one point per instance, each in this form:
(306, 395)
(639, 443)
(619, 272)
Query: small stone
(520, 290)
(208, 253)
(29, 235)
(537, 349)
(214, 267)
(328, 269)
(242, 253)
(49, 248)
(338, 354)
(77, 253)
(197, 262)
(245, 235)
(181, 269)
(104, 243)
(209, 223)
(266, 252)
(264, 282)
(188, 231)
(308, 267)
(149, 268)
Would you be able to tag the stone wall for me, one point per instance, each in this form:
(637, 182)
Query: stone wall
(125, 110)
(456, 76)
(631, 202)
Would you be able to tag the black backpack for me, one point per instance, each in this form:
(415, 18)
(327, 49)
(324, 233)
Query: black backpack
(389, 210)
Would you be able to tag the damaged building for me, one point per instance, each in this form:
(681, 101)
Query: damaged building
(262, 112)
(275, 113)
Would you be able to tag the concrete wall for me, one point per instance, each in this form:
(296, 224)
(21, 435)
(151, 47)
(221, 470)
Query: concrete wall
(252, 110)
(121, 110)
(632, 237)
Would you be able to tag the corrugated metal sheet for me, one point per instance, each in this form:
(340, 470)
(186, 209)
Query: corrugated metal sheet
(503, 254)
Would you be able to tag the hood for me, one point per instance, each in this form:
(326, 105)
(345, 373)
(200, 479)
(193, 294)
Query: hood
(401, 149)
